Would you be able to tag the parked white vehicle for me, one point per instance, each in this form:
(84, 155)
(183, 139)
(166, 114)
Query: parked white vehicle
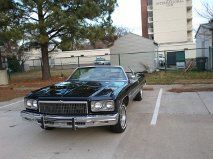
(101, 61)
(161, 60)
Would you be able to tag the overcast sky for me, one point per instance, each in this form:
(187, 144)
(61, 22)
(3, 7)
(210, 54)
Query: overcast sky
(128, 14)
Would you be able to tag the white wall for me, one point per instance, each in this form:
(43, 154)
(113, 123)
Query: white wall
(170, 21)
(132, 44)
(89, 56)
(203, 40)
(64, 58)
(189, 54)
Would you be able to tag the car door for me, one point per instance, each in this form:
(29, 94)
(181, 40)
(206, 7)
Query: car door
(133, 84)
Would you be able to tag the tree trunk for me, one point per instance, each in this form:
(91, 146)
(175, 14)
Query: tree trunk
(44, 40)
(45, 62)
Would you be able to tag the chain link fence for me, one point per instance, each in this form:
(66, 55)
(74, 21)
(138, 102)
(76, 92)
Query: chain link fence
(138, 61)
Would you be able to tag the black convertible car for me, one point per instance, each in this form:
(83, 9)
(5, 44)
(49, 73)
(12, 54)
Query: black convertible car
(91, 96)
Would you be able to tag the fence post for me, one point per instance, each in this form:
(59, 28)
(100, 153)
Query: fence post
(33, 65)
(165, 61)
(78, 61)
(41, 63)
(9, 74)
(157, 61)
(211, 57)
(61, 64)
(119, 59)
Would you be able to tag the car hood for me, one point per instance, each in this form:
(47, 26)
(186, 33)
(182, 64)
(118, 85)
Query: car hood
(81, 89)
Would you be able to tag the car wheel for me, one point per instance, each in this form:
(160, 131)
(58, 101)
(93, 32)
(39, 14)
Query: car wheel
(122, 121)
(139, 96)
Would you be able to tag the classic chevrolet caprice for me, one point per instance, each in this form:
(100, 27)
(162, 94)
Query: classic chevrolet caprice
(91, 96)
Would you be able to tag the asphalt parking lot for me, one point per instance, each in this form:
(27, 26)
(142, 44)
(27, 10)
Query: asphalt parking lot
(179, 126)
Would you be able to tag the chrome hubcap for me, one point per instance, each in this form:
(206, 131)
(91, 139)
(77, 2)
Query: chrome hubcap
(123, 116)
(141, 92)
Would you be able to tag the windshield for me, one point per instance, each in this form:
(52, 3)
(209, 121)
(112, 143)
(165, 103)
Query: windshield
(99, 74)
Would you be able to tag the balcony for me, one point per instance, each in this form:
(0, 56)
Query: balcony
(150, 31)
(150, 8)
(189, 4)
(189, 38)
(189, 35)
(189, 27)
(189, 13)
(150, 19)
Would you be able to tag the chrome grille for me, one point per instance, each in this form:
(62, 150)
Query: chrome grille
(63, 108)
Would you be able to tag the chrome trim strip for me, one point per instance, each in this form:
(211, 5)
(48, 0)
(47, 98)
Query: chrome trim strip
(62, 101)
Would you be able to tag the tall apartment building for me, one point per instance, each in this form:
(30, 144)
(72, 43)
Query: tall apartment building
(169, 23)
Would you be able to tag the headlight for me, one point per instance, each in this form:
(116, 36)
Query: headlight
(31, 104)
(110, 105)
(35, 103)
(98, 106)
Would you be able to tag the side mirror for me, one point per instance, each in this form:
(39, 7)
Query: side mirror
(141, 75)
(132, 76)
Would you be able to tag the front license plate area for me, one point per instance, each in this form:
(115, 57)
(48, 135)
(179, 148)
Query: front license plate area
(58, 123)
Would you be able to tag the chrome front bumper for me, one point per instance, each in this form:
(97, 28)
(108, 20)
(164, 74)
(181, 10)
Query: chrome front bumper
(70, 121)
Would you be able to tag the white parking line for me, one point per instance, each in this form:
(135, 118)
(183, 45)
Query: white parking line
(157, 107)
(11, 104)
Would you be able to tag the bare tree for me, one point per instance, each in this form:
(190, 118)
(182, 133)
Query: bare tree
(207, 11)
(122, 31)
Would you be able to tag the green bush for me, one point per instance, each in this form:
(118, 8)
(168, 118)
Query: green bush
(13, 64)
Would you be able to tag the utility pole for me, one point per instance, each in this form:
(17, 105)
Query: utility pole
(119, 59)
(211, 28)
(211, 47)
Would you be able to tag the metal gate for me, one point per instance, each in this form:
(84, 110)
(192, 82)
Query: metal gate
(171, 59)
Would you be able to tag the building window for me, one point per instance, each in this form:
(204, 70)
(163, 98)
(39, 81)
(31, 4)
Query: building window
(151, 25)
(150, 14)
(150, 2)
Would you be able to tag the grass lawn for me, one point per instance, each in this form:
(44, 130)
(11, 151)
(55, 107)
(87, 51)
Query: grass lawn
(169, 77)
(180, 77)
(36, 74)
(162, 77)
(23, 83)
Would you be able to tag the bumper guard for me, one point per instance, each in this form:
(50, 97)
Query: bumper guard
(70, 121)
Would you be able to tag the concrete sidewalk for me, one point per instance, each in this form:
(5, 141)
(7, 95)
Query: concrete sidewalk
(183, 130)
